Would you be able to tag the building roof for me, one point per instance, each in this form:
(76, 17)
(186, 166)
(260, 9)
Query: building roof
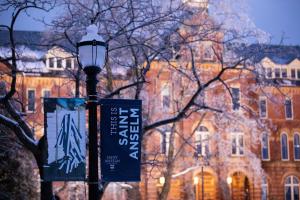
(279, 54)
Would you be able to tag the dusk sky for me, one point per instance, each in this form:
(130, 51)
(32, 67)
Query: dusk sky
(280, 18)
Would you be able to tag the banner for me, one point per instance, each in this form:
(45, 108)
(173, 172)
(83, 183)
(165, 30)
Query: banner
(121, 125)
(65, 146)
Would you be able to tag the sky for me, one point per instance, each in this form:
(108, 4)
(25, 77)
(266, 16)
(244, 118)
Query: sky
(279, 18)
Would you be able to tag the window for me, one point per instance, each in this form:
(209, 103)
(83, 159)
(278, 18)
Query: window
(284, 73)
(291, 188)
(59, 63)
(296, 146)
(69, 63)
(202, 141)
(165, 95)
(208, 53)
(165, 142)
(237, 144)
(288, 109)
(298, 73)
(51, 62)
(265, 147)
(269, 72)
(293, 73)
(264, 189)
(31, 100)
(277, 72)
(284, 147)
(45, 94)
(235, 92)
(263, 107)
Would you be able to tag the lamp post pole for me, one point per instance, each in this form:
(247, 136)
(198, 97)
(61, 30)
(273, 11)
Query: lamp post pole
(92, 51)
(91, 83)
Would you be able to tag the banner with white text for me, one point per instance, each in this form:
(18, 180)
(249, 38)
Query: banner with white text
(65, 145)
(121, 125)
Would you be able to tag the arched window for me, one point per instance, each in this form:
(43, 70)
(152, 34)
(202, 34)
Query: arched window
(264, 189)
(265, 147)
(284, 147)
(296, 146)
(202, 141)
(291, 188)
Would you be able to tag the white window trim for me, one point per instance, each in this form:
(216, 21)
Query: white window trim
(30, 111)
(263, 98)
(296, 133)
(237, 134)
(292, 110)
(63, 63)
(269, 157)
(288, 148)
(292, 185)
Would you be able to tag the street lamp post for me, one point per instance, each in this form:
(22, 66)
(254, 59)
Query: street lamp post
(92, 50)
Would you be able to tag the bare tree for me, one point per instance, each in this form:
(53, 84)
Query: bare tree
(172, 35)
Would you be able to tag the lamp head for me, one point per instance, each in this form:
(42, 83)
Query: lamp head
(92, 48)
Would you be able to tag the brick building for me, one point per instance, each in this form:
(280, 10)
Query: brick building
(238, 154)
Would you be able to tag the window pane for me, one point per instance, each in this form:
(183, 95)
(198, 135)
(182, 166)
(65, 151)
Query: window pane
(288, 194)
(277, 73)
(235, 98)
(296, 192)
(298, 73)
(46, 93)
(233, 145)
(241, 144)
(51, 62)
(165, 93)
(288, 109)
(264, 192)
(293, 73)
(295, 180)
(68, 63)
(59, 62)
(284, 73)
(263, 108)
(31, 100)
(269, 72)
(284, 146)
(265, 146)
(297, 146)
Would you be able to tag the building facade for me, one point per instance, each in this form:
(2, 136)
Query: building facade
(250, 150)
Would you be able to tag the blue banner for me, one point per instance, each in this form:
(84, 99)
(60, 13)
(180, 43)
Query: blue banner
(121, 126)
(64, 151)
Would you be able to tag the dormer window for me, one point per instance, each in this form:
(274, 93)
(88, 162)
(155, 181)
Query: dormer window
(59, 62)
(51, 62)
(277, 72)
(293, 73)
(284, 72)
(69, 63)
(269, 72)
